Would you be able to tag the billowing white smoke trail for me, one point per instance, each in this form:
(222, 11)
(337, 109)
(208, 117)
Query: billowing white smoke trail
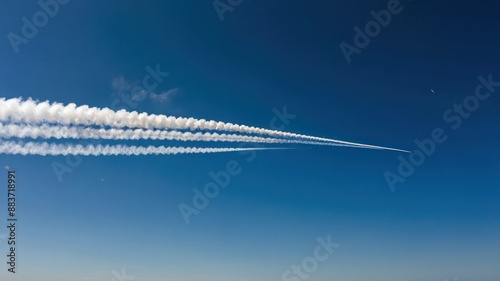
(65, 132)
(33, 112)
(43, 149)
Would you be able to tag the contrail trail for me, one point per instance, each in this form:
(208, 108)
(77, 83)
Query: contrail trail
(33, 112)
(44, 148)
(64, 132)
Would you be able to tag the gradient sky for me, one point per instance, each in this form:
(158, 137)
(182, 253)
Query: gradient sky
(110, 213)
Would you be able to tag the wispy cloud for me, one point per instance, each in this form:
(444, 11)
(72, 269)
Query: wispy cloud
(164, 96)
(121, 87)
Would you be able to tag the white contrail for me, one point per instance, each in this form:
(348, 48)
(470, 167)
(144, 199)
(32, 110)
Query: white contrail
(64, 132)
(44, 148)
(33, 112)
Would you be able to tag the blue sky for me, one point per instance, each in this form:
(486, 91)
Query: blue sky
(109, 213)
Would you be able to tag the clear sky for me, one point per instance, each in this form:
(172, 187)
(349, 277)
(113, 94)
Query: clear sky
(88, 218)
